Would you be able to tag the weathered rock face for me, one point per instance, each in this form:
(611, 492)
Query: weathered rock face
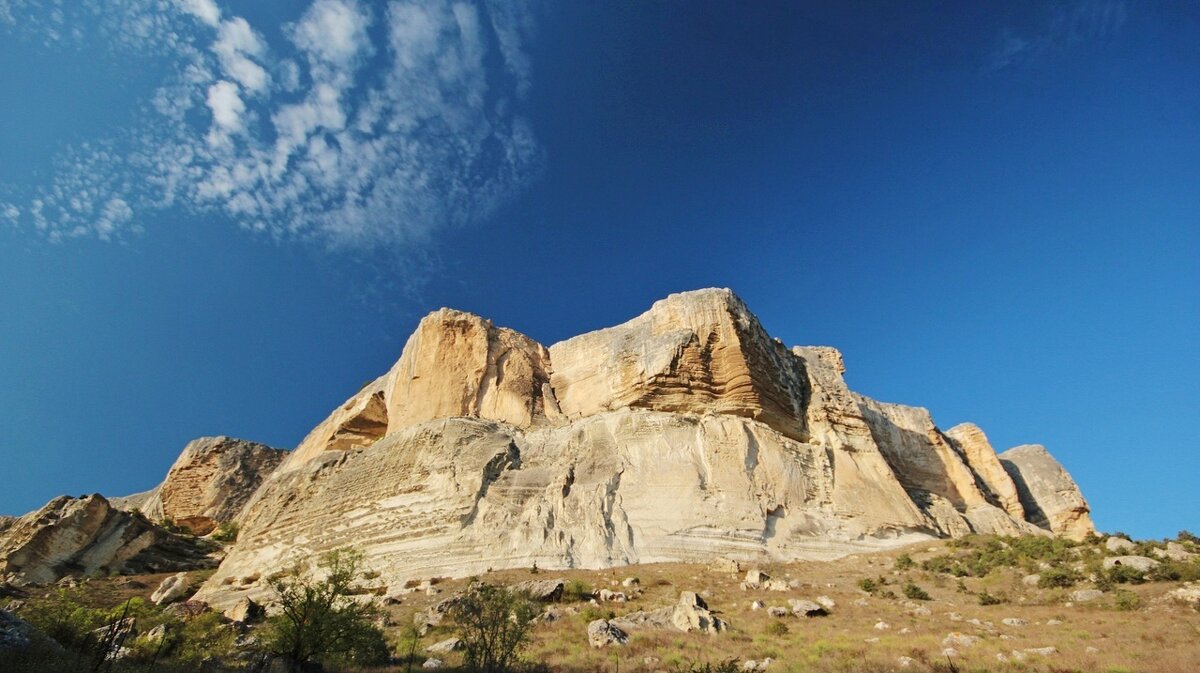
(975, 448)
(697, 352)
(683, 434)
(1049, 495)
(86, 536)
(455, 364)
(210, 482)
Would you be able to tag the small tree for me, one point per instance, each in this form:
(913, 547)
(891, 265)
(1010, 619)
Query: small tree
(494, 625)
(320, 619)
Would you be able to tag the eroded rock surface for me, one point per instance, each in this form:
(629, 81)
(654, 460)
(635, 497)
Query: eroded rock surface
(210, 482)
(685, 434)
(85, 537)
(1049, 495)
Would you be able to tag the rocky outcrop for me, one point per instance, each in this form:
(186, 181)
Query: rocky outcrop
(977, 451)
(210, 482)
(454, 364)
(685, 434)
(1049, 495)
(86, 537)
(696, 352)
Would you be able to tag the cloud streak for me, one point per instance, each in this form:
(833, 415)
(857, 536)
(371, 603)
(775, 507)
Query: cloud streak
(1064, 26)
(367, 126)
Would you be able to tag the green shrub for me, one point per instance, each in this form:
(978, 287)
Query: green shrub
(575, 590)
(319, 620)
(1058, 578)
(1126, 600)
(868, 585)
(494, 624)
(988, 599)
(724, 666)
(776, 628)
(915, 592)
(905, 562)
(1124, 574)
(226, 532)
(202, 638)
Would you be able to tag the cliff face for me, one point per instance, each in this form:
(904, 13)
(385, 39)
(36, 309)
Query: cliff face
(683, 434)
(209, 483)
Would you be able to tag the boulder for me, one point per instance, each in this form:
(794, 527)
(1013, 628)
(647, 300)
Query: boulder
(1119, 545)
(802, 608)
(691, 613)
(601, 633)
(445, 646)
(542, 590)
(245, 611)
(211, 482)
(775, 611)
(1086, 595)
(16, 634)
(1140, 563)
(171, 589)
(432, 664)
(957, 639)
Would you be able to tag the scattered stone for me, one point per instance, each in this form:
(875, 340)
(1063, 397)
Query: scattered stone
(954, 616)
(602, 634)
(445, 647)
(170, 590)
(433, 664)
(607, 596)
(826, 602)
(1188, 593)
(882, 626)
(1053, 622)
(1086, 595)
(862, 603)
(630, 582)
(651, 661)
(1091, 650)
(753, 666)
(246, 611)
(906, 662)
(754, 579)
(802, 608)
(957, 639)
(949, 652)
(775, 611)
(1031, 580)
(1041, 651)
(919, 611)
(757, 605)
(1014, 621)
(156, 634)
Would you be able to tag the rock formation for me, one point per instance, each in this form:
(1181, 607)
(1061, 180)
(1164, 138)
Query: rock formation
(86, 536)
(209, 483)
(686, 433)
(1049, 495)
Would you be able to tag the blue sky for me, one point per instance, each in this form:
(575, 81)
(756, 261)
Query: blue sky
(223, 217)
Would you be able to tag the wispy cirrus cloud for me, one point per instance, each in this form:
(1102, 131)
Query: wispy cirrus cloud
(367, 125)
(1062, 26)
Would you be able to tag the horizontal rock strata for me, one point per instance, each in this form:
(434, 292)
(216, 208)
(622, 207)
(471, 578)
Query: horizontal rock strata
(686, 434)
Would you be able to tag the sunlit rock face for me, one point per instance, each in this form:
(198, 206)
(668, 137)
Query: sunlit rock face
(86, 536)
(210, 482)
(684, 434)
(1049, 495)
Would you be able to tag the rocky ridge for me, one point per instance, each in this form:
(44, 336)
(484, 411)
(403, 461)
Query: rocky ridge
(684, 434)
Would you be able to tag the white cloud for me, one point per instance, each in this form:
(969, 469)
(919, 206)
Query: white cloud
(331, 138)
(205, 10)
(236, 48)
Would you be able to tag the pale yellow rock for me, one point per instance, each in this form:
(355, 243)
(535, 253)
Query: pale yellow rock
(1049, 495)
(454, 365)
(210, 482)
(694, 352)
(982, 459)
(86, 536)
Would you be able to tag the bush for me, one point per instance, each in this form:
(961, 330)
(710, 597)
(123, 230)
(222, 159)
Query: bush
(905, 562)
(226, 532)
(1060, 578)
(868, 585)
(776, 629)
(320, 620)
(915, 592)
(576, 591)
(988, 599)
(494, 625)
(1185, 537)
(982, 555)
(1126, 600)
(724, 666)
(1125, 575)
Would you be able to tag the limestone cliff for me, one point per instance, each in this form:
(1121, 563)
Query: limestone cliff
(87, 536)
(1049, 495)
(210, 482)
(683, 434)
